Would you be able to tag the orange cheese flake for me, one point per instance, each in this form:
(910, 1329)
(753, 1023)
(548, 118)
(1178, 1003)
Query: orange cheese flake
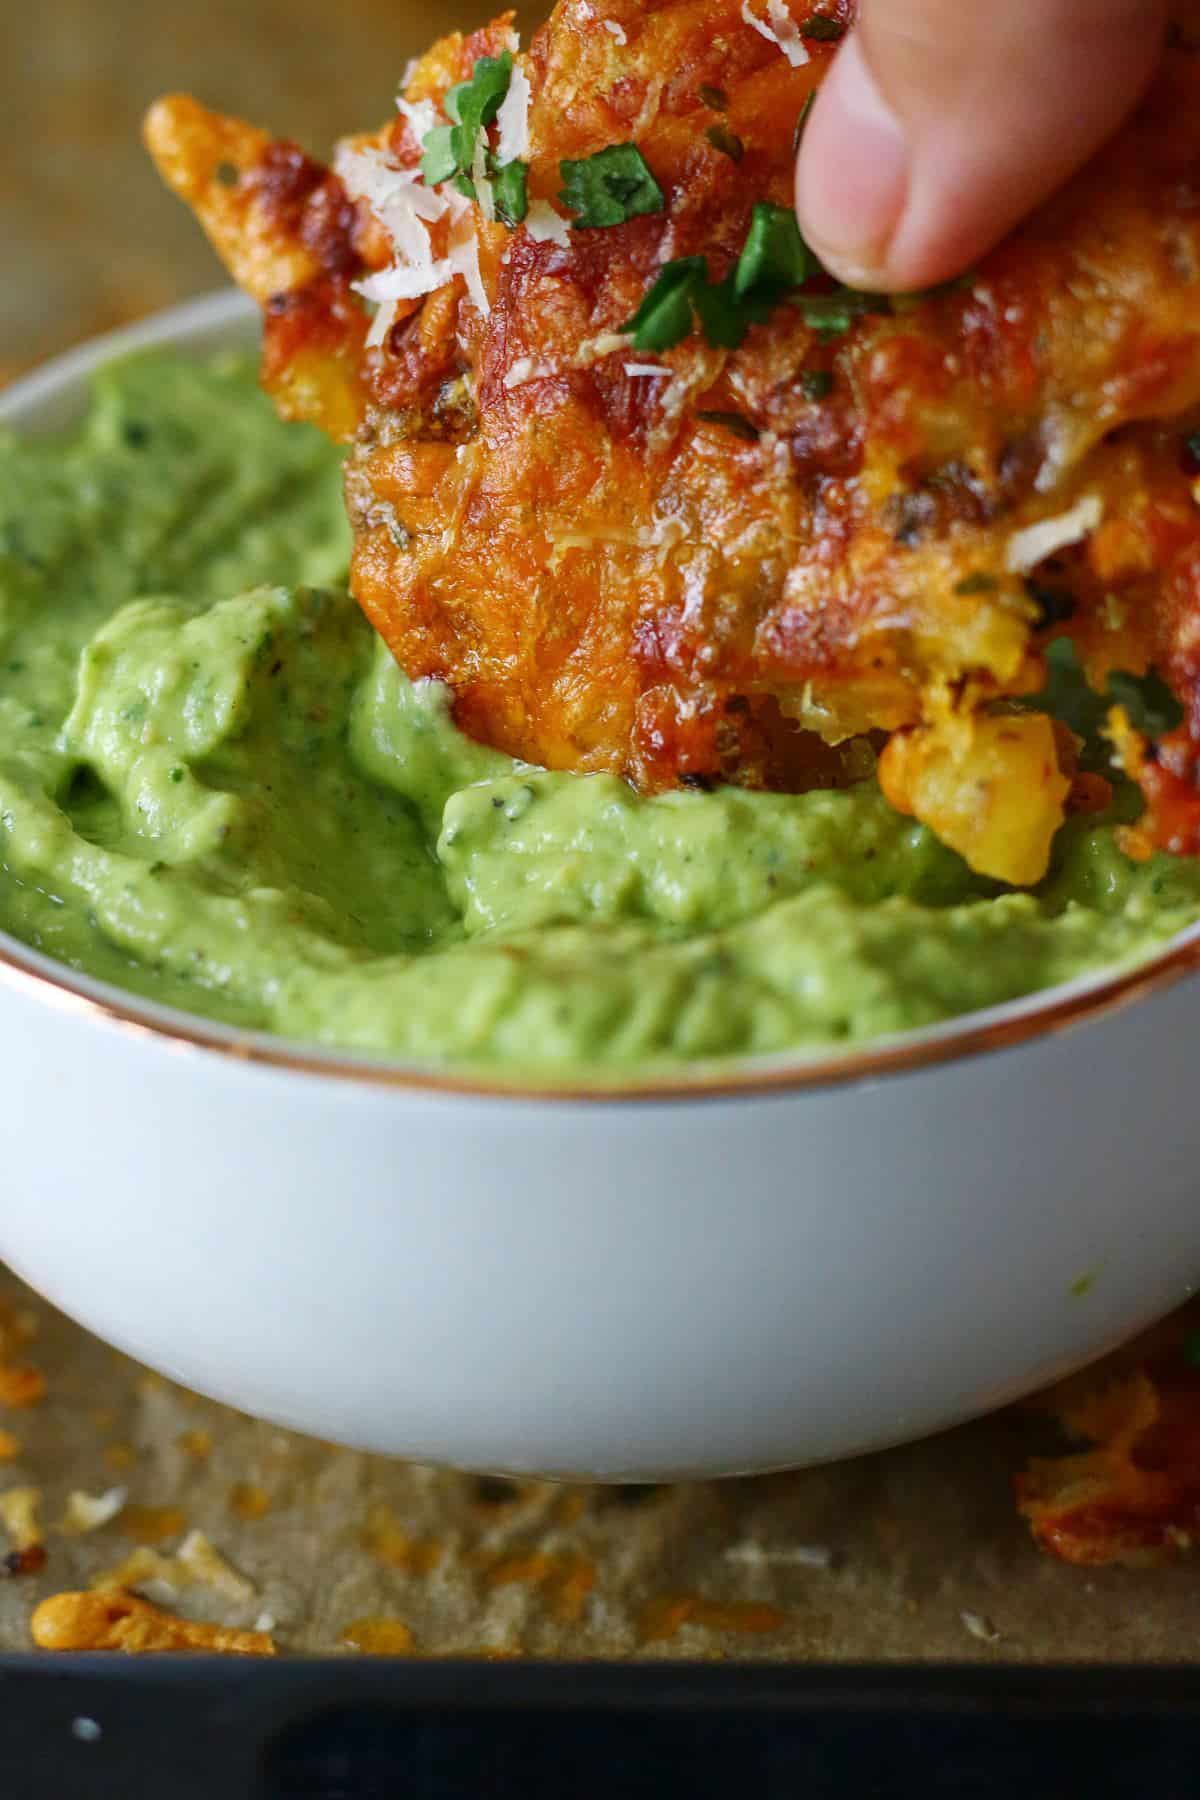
(153, 1524)
(378, 1636)
(248, 1501)
(666, 1617)
(565, 1580)
(386, 1539)
(118, 1621)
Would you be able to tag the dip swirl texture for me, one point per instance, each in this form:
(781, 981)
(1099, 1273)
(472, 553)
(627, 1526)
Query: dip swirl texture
(218, 791)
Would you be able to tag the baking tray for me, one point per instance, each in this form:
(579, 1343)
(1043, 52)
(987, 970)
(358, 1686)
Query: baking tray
(80, 1728)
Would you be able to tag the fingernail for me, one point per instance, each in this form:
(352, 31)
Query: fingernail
(853, 174)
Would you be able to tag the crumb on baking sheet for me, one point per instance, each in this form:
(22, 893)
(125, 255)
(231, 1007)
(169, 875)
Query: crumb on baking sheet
(90, 1512)
(665, 1617)
(197, 1563)
(387, 1539)
(21, 1384)
(114, 1620)
(152, 1524)
(378, 1635)
(249, 1501)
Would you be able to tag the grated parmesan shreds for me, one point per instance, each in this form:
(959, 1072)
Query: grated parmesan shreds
(645, 371)
(545, 226)
(525, 368)
(779, 28)
(387, 287)
(403, 206)
(420, 114)
(605, 343)
(617, 31)
(980, 1626)
(463, 258)
(800, 1556)
(1027, 548)
(512, 120)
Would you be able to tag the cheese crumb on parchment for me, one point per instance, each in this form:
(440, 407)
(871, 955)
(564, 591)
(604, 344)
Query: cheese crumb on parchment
(112, 1620)
(89, 1512)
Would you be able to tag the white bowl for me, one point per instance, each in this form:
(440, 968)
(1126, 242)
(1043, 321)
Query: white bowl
(810, 1258)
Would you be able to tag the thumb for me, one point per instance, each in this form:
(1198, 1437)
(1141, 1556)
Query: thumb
(943, 122)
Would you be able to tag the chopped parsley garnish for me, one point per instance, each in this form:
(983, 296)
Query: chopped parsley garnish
(1191, 444)
(665, 315)
(774, 254)
(774, 265)
(439, 160)
(610, 187)
(724, 317)
(821, 30)
(714, 97)
(830, 315)
(726, 141)
(449, 150)
(816, 384)
(1152, 707)
(509, 189)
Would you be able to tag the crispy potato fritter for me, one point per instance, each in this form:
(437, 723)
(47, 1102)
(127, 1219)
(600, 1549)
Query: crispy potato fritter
(807, 529)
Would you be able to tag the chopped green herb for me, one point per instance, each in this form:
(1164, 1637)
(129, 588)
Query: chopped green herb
(475, 103)
(606, 189)
(832, 314)
(725, 318)
(175, 774)
(1152, 707)
(228, 174)
(440, 160)
(721, 138)
(732, 421)
(821, 30)
(449, 150)
(816, 384)
(980, 582)
(509, 188)
(1191, 444)
(774, 254)
(714, 97)
(665, 315)
(802, 121)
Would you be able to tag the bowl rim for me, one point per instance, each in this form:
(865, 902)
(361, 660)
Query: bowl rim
(1030, 1017)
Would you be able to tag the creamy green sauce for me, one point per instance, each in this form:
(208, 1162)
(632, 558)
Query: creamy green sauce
(218, 791)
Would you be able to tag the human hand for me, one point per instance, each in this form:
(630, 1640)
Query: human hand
(943, 122)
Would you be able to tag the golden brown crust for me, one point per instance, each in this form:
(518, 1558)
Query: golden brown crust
(670, 576)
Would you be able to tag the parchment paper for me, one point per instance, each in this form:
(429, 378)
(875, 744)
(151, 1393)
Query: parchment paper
(916, 1553)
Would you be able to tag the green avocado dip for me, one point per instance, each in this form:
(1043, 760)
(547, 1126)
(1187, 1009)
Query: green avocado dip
(218, 791)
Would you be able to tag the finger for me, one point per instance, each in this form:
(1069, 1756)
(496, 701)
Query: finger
(943, 122)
